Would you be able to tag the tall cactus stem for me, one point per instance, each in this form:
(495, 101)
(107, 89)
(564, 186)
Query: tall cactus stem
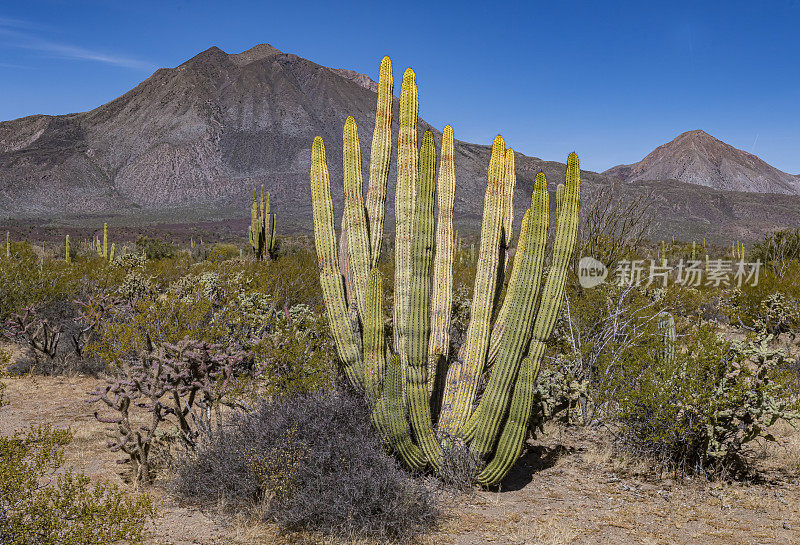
(330, 275)
(512, 439)
(355, 214)
(457, 403)
(442, 297)
(484, 424)
(417, 393)
(407, 173)
(380, 159)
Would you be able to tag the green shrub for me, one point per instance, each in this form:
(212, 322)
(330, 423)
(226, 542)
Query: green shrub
(155, 248)
(41, 503)
(699, 410)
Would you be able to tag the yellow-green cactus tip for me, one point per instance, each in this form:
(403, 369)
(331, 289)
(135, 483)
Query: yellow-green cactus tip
(409, 75)
(448, 131)
(573, 158)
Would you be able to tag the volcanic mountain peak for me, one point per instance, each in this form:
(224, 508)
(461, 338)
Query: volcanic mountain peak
(697, 157)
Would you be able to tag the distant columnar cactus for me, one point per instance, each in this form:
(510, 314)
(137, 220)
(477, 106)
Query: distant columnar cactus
(8, 244)
(261, 232)
(412, 371)
(66, 251)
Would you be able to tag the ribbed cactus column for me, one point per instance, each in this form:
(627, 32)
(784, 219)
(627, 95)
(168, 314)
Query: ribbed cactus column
(380, 158)
(105, 240)
(460, 393)
(509, 185)
(407, 172)
(417, 392)
(563, 247)
(355, 215)
(484, 425)
(330, 276)
(66, 251)
(442, 298)
(374, 337)
(512, 439)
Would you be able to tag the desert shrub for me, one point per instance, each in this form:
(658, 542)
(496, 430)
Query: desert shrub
(41, 503)
(772, 305)
(223, 252)
(155, 248)
(311, 462)
(778, 249)
(698, 410)
(294, 355)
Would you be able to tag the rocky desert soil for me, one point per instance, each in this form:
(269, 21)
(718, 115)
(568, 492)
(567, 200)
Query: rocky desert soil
(567, 489)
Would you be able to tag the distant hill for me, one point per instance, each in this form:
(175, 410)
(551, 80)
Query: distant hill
(190, 143)
(698, 158)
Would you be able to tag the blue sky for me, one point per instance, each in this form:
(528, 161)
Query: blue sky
(610, 80)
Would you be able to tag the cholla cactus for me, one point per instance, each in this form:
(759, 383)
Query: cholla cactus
(412, 374)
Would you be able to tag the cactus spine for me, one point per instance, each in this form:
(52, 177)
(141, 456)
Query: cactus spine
(404, 383)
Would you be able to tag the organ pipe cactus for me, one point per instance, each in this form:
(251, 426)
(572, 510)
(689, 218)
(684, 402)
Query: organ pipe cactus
(66, 250)
(421, 397)
(262, 229)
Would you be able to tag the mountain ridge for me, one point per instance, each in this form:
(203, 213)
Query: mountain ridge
(697, 157)
(194, 140)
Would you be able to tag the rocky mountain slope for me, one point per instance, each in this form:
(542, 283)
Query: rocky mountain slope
(190, 143)
(696, 157)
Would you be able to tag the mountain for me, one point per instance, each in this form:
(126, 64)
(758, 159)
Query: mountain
(696, 157)
(190, 143)
(196, 139)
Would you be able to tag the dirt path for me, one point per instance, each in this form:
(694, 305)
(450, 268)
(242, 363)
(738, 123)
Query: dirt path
(566, 490)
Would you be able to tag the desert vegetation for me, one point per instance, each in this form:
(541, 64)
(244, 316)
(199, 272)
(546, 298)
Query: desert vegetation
(365, 387)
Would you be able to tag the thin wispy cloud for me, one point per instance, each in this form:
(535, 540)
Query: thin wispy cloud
(18, 35)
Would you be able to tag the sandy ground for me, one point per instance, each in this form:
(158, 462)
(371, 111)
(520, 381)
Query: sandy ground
(567, 489)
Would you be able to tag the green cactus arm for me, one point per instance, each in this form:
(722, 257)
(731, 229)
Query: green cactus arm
(111, 253)
(407, 173)
(457, 404)
(380, 160)
(273, 234)
(559, 198)
(484, 425)
(66, 256)
(339, 319)
(563, 247)
(502, 316)
(509, 185)
(418, 321)
(442, 297)
(267, 207)
(374, 339)
(105, 240)
(355, 215)
(389, 417)
(512, 439)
